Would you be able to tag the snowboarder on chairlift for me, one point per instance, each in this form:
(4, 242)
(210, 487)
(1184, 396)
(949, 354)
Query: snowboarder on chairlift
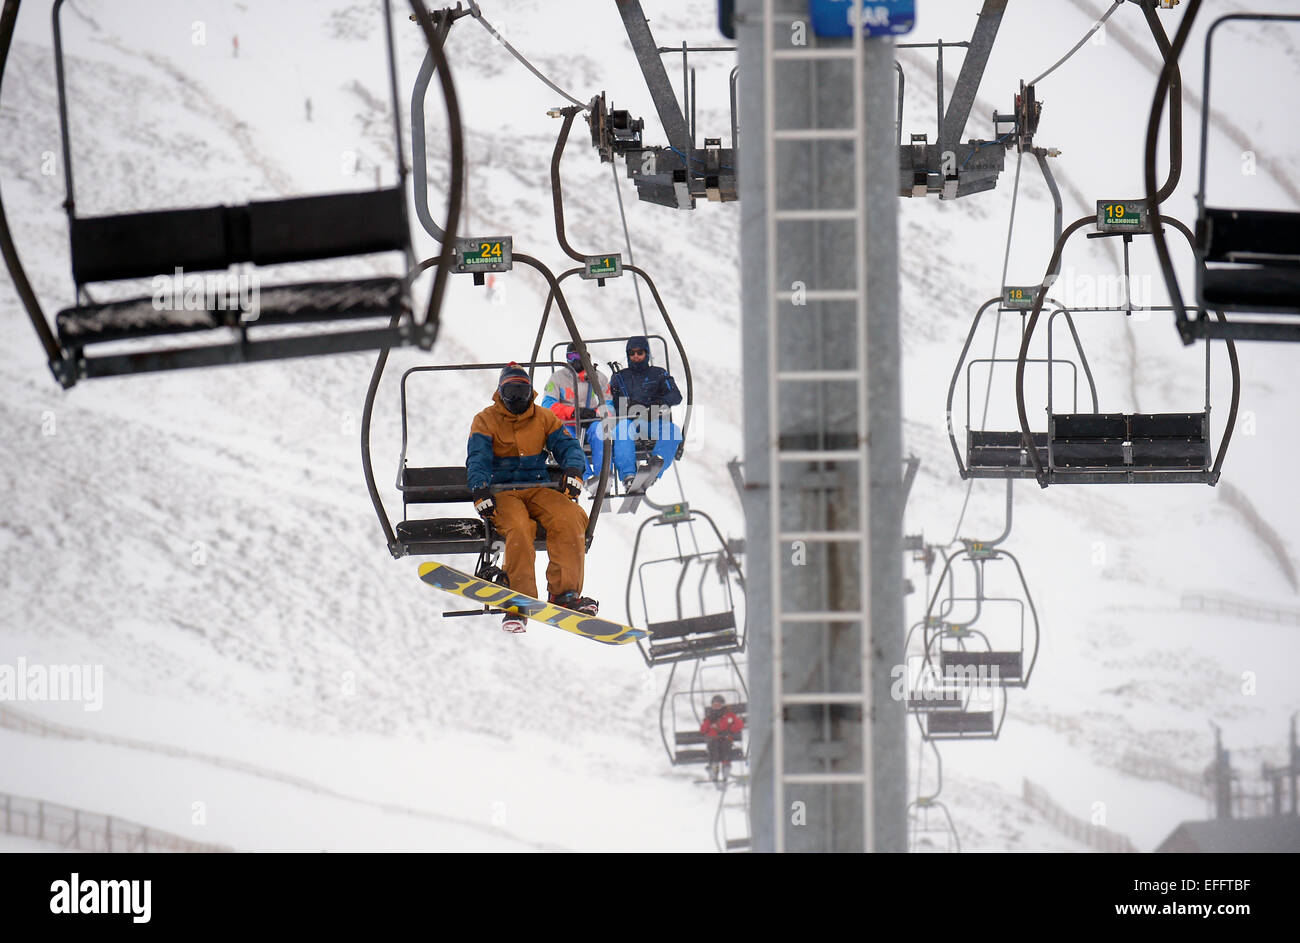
(508, 444)
(642, 393)
(561, 398)
(721, 726)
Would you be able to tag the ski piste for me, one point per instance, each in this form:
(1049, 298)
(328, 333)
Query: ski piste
(451, 580)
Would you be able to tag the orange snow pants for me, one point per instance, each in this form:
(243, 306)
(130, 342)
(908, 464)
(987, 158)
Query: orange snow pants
(517, 516)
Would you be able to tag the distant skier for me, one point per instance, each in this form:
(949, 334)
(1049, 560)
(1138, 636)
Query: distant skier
(308, 107)
(722, 726)
(508, 443)
(234, 46)
(642, 394)
(562, 399)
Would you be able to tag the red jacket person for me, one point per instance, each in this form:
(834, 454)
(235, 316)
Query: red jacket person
(722, 726)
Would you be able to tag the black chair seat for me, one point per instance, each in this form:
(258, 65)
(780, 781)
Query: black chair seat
(279, 304)
(1002, 449)
(451, 535)
(266, 232)
(943, 699)
(1251, 288)
(444, 485)
(1125, 442)
(444, 535)
(978, 667)
(696, 647)
(688, 757)
(696, 625)
(1228, 235)
(959, 723)
(1250, 260)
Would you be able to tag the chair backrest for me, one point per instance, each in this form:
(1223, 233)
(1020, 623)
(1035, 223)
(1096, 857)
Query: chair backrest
(1249, 235)
(266, 232)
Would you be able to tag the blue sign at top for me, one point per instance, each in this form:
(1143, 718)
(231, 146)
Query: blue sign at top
(874, 18)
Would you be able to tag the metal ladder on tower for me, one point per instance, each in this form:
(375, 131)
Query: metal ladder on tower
(850, 50)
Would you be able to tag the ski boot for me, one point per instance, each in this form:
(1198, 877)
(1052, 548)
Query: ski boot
(514, 623)
(571, 600)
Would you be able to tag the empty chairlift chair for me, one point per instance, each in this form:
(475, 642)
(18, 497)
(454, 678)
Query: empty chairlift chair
(345, 315)
(930, 828)
(1002, 453)
(1006, 641)
(1247, 260)
(1102, 448)
(704, 622)
(974, 647)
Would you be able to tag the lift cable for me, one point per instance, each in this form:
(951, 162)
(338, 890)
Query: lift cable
(478, 15)
(1079, 45)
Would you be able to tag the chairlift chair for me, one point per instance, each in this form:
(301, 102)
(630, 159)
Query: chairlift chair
(690, 746)
(327, 316)
(930, 827)
(1122, 448)
(1247, 260)
(682, 709)
(694, 632)
(998, 453)
(578, 428)
(946, 693)
(442, 485)
(1008, 647)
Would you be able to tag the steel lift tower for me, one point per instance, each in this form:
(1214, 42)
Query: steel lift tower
(823, 457)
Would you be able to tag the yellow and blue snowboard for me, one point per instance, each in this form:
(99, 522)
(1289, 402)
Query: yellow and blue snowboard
(451, 580)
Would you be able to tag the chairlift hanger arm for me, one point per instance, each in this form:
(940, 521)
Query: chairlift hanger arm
(1054, 264)
(656, 75)
(53, 351)
(1171, 77)
(581, 347)
(443, 20)
(557, 186)
(972, 72)
(1041, 155)
(428, 329)
(1165, 81)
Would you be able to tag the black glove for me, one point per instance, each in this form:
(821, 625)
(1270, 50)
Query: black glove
(484, 504)
(572, 484)
(585, 414)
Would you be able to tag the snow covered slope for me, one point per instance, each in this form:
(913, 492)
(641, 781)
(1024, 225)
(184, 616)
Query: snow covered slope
(206, 536)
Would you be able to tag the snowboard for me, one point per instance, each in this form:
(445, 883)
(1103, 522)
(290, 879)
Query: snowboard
(451, 580)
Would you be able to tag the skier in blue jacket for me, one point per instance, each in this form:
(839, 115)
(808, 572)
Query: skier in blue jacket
(642, 394)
